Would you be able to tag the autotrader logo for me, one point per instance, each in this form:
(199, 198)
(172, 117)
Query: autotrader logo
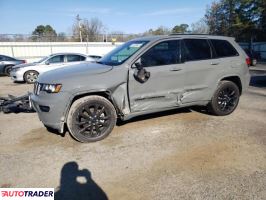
(27, 193)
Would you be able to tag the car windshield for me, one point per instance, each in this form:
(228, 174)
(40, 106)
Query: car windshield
(122, 53)
(43, 59)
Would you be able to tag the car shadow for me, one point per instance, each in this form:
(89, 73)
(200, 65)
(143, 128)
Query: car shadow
(154, 115)
(19, 82)
(76, 184)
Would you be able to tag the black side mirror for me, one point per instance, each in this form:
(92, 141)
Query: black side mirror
(142, 75)
(138, 64)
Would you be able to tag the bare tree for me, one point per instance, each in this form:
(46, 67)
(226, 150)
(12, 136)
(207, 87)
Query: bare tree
(90, 29)
(200, 27)
(4, 38)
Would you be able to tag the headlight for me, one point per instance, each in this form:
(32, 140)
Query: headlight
(16, 69)
(50, 88)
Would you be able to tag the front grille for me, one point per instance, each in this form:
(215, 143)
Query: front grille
(37, 88)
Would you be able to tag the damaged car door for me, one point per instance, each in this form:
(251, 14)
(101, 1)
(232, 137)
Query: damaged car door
(203, 70)
(156, 78)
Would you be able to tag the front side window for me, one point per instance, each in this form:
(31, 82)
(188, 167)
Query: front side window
(43, 59)
(56, 59)
(75, 58)
(223, 48)
(164, 53)
(122, 53)
(197, 49)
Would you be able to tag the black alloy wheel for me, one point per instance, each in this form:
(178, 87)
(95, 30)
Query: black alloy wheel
(91, 118)
(225, 99)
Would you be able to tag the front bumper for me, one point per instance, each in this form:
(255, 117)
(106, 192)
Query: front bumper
(54, 117)
(17, 75)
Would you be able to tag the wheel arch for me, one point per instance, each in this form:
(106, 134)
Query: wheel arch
(103, 93)
(29, 71)
(6, 66)
(235, 79)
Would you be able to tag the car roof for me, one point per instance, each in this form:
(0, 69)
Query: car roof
(182, 36)
(68, 53)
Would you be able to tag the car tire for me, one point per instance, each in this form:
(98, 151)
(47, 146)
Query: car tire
(91, 118)
(8, 70)
(225, 99)
(31, 76)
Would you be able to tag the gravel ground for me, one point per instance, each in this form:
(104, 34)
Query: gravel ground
(182, 154)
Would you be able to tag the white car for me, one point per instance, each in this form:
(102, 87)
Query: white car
(30, 72)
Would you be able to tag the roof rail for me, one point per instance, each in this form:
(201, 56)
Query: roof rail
(188, 34)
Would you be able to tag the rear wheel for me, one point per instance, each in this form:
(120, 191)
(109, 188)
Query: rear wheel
(8, 70)
(225, 99)
(31, 76)
(91, 118)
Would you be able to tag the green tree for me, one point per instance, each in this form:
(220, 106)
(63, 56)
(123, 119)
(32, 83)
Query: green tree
(242, 19)
(44, 33)
(182, 28)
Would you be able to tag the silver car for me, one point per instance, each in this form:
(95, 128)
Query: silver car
(142, 76)
(30, 72)
(6, 64)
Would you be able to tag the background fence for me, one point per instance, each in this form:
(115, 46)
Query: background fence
(258, 47)
(33, 51)
(16, 46)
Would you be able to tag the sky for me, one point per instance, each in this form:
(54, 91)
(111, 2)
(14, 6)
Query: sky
(127, 16)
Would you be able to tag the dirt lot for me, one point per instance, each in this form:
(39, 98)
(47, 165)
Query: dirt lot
(181, 154)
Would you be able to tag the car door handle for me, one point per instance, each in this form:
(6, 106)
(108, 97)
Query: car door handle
(215, 63)
(175, 69)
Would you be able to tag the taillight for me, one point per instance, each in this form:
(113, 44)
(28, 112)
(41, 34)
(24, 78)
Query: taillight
(23, 61)
(248, 61)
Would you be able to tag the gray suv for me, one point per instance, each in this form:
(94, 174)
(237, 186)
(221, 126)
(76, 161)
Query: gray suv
(142, 76)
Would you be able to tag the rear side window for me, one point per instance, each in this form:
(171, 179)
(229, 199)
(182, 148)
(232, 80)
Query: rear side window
(57, 59)
(164, 53)
(6, 58)
(223, 48)
(75, 58)
(197, 49)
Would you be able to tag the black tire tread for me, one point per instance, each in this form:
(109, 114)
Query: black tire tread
(5, 70)
(83, 100)
(212, 108)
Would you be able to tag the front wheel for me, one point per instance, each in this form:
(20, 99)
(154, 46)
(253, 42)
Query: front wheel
(225, 99)
(31, 76)
(91, 118)
(8, 70)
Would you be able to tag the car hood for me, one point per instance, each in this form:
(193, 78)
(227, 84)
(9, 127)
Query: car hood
(24, 65)
(73, 72)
